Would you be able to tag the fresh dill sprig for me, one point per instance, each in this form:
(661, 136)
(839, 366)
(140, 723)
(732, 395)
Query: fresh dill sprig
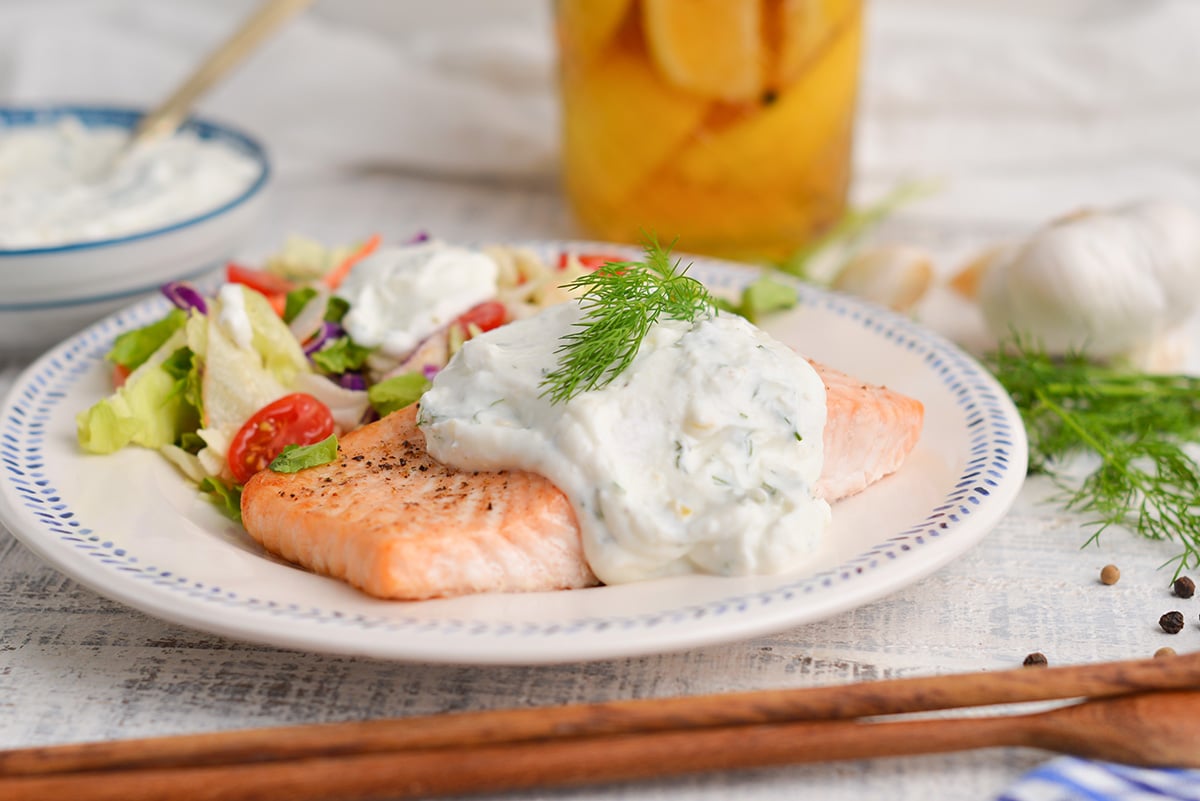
(1137, 424)
(620, 302)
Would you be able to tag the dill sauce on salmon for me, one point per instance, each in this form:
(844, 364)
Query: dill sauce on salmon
(703, 456)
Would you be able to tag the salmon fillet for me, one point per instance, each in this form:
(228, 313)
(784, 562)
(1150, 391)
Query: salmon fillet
(869, 432)
(389, 519)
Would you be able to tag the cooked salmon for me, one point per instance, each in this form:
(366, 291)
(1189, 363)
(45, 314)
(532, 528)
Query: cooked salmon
(869, 431)
(389, 519)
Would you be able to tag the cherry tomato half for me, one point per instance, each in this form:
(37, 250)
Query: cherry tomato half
(485, 316)
(275, 288)
(119, 374)
(258, 280)
(296, 419)
(588, 261)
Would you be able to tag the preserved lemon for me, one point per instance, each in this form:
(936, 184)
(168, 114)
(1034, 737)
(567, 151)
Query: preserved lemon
(725, 123)
(803, 26)
(713, 48)
(587, 27)
(629, 121)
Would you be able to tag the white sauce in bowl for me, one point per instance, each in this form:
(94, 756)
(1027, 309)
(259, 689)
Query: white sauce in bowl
(701, 457)
(56, 187)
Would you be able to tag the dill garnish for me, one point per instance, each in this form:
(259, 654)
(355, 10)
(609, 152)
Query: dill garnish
(1137, 424)
(620, 302)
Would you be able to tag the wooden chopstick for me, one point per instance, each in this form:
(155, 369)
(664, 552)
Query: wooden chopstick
(473, 730)
(605, 759)
(510, 766)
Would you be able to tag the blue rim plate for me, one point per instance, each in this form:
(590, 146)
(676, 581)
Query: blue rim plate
(122, 117)
(131, 528)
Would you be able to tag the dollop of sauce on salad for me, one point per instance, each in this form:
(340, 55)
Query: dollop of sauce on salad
(399, 296)
(700, 457)
(64, 183)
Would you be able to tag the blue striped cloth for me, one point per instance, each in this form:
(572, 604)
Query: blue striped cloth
(1072, 779)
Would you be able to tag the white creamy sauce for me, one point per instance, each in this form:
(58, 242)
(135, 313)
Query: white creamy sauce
(701, 457)
(58, 184)
(399, 296)
(233, 317)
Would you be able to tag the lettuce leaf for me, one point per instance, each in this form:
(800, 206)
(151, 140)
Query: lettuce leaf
(336, 309)
(397, 392)
(295, 302)
(281, 354)
(149, 409)
(761, 297)
(227, 497)
(107, 427)
(184, 367)
(235, 383)
(765, 296)
(341, 355)
(132, 348)
(303, 259)
(294, 458)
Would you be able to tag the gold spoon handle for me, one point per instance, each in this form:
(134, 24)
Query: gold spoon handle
(163, 120)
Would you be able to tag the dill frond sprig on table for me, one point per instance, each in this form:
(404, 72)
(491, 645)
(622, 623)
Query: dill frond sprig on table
(621, 301)
(1139, 425)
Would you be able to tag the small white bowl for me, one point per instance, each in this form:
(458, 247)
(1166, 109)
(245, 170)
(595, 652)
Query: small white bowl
(48, 293)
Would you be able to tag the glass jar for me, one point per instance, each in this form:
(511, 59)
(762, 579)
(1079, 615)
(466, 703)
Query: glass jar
(725, 123)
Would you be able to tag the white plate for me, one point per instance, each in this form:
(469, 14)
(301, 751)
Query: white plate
(131, 528)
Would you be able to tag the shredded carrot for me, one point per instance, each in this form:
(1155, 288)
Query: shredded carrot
(278, 302)
(334, 277)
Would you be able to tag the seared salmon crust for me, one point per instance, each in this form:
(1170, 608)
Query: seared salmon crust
(391, 520)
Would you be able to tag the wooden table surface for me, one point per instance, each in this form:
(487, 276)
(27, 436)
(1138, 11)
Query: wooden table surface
(76, 666)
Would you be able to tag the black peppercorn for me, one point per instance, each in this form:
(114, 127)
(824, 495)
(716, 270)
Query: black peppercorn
(1185, 587)
(1036, 659)
(1171, 622)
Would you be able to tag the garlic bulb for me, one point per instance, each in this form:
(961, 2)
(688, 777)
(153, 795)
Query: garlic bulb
(890, 275)
(1114, 282)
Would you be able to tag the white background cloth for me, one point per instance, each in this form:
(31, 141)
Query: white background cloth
(1021, 109)
(394, 117)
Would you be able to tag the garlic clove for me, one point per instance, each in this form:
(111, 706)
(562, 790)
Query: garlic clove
(890, 275)
(966, 282)
(1167, 353)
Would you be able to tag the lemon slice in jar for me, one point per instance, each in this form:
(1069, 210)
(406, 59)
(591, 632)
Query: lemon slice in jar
(807, 126)
(713, 48)
(622, 121)
(585, 27)
(799, 30)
